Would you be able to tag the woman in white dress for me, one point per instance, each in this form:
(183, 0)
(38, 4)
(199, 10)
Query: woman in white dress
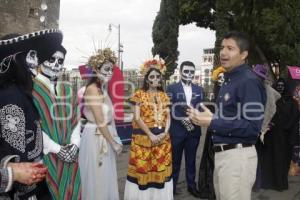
(99, 141)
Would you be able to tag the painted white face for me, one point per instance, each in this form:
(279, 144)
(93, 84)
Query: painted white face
(187, 73)
(154, 79)
(221, 79)
(105, 72)
(32, 61)
(53, 67)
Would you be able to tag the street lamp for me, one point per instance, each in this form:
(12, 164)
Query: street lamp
(120, 46)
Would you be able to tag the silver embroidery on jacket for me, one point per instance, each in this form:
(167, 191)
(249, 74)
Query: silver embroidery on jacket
(13, 123)
(38, 147)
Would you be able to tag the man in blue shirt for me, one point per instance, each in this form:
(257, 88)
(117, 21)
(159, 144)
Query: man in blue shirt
(236, 123)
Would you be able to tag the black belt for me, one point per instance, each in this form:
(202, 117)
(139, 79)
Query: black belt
(225, 147)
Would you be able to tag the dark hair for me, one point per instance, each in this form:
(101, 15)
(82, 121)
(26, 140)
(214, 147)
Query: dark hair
(240, 38)
(18, 74)
(94, 80)
(187, 63)
(146, 85)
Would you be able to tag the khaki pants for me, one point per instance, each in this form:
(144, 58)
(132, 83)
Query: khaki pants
(235, 173)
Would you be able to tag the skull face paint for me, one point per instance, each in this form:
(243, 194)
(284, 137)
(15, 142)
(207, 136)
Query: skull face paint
(187, 74)
(32, 61)
(221, 79)
(53, 67)
(154, 79)
(105, 72)
(280, 87)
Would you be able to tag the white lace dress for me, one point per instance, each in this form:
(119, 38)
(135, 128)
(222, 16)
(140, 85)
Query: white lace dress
(97, 160)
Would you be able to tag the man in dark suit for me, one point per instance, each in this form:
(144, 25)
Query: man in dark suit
(185, 136)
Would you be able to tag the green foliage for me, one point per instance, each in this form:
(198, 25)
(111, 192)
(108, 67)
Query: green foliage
(272, 26)
(165, 34)
(200, 11)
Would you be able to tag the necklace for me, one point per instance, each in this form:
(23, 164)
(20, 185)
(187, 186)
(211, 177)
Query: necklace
(158, 110)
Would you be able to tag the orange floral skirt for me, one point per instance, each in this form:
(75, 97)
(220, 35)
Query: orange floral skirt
(149, 165)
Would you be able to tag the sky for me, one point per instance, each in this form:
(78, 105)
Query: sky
(85, 27)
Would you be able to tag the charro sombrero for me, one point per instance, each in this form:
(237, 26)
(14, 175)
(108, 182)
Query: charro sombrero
(45, 42)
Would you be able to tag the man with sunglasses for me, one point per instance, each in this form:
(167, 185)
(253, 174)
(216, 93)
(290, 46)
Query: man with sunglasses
(185, 135)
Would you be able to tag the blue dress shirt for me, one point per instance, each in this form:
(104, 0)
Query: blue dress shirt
(240, 108)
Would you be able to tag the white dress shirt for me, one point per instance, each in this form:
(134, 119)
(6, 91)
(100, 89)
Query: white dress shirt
(188, 92)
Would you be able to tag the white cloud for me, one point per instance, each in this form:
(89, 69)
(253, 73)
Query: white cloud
(86, 22)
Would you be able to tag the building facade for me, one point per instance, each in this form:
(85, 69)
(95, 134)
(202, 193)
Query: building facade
(24, 16)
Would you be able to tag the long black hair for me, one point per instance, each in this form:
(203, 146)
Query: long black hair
(145, 86)
(93, 79)
(18, 74)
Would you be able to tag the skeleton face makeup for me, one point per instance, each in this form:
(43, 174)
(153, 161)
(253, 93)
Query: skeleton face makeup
(221, 79)
(154, 79)
(187, 74)
(32, 61)
(105, 72)
(53, 67)
(280, 87)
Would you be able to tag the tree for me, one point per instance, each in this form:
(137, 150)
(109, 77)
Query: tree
(270, 24)
(280, 28)
(200, 11)
(165, 34)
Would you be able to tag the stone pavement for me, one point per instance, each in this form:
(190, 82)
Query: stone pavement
(292, 194)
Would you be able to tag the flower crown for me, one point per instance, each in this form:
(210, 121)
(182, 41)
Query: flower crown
(216, 73)
(102, 56)
(155, 62)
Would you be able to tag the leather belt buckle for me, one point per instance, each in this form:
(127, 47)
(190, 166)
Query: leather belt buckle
(222, 149)
(225, 147)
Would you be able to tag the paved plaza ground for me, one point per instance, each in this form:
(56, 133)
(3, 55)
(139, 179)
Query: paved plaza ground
(292, 194)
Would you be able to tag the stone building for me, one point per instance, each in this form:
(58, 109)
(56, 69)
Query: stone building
(23, 16)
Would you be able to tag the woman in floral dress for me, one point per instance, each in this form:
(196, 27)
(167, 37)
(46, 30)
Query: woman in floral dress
(150, 163)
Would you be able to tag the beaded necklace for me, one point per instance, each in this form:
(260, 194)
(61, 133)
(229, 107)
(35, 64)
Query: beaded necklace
(158, 109)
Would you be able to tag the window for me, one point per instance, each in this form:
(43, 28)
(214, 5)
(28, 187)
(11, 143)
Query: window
(206, 72)
(32, 12)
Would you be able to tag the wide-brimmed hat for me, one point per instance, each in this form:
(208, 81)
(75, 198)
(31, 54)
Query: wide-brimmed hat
(45, 42)
(261, 71)
(62, 49)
